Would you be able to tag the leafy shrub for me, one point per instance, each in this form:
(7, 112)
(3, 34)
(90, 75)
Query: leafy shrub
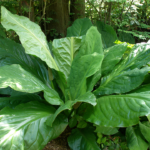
(94, 90)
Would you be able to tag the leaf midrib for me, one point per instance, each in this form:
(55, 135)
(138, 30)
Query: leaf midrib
(27, 123)
(35, 38)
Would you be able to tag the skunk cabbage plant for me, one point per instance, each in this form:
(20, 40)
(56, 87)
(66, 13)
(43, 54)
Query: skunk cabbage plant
(77, 83)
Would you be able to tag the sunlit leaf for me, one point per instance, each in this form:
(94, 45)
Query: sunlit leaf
(20, 80)
(127, 72)
(30, 34)
(24, 128)
(64, 51)
(119, 110)
(81, 69)
(13, 53)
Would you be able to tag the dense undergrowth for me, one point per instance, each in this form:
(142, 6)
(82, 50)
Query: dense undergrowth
(91, 80)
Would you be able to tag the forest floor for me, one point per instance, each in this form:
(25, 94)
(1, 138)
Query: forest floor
(59, 143)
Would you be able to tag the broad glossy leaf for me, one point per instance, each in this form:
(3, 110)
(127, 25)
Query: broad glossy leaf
(126, 70)
(106, 130)
(87, 98)
(31, 36)
(13, 101)
(112, 56)
(81, 69)
(121, 82)
(145, 130)
(83, 139)
(13, 53)
(139, 56)
(24, 128)
(79, 27)
(20, 80)
(119, 110)
(64, 52)
(92, 43)
(109, 35)
(135, 139)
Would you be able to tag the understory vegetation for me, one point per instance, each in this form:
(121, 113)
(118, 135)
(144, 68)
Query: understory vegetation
(92, 76)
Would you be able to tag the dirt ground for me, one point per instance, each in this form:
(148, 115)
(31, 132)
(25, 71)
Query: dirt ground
(59, 143)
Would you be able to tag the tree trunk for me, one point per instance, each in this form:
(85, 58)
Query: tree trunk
(109, 12)
(58, 10)
(77, 9)
(31, 10)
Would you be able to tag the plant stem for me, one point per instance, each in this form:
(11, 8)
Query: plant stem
(43, 11)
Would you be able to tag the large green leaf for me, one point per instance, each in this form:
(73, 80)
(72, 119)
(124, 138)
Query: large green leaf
(13, 101)
(83, 139)
(21, 80)
(112, 56)
(31, 36)
(79, 27)
(92, 43)
(109, 35)
(106, 130)
(64, 52)
(13, 53)
(119, 110)
(139, 56)
(145, 130)
(125, 72)
(135, 139)
(123, 82)
(81, 69)
(24, 128)
(87, 98)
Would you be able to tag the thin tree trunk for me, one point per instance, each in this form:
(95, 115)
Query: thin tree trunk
(31, 10)
(109, 12)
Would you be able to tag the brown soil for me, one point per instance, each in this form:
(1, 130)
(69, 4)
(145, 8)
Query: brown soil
(59, 143)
